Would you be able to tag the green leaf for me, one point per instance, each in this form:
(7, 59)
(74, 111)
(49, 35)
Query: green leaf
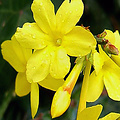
(7, 98)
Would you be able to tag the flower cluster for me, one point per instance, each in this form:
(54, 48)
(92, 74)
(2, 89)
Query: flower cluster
(40, 53)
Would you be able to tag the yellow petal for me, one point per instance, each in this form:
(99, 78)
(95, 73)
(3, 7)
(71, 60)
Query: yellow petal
(68, 15)
(95, 86)
(38, 65)
(97, 62)
(110, 37)
(60, 63)
(79, 42)
(51, 83)
(22, 53)
(111, 116)
(103, 55)
(34, 98)
(14, 58)
(57, 107)
(22, 86)
(116, 59)
(112, 84)
(117, 39)
(90, 113)
(44, 15)
(31, 36)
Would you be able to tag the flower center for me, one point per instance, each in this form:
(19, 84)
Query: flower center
(58, 41)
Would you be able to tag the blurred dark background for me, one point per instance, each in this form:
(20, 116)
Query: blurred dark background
(98, 14)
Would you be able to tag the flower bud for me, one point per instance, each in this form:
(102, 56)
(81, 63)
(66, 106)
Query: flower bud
(60, 103)
(111, 49)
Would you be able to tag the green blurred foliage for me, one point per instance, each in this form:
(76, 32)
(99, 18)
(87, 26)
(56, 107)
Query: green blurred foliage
(98, 14)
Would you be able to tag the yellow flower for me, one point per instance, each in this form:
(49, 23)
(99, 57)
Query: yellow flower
(93, 113)
(17, 57)
(114, 39)
(54, 37)
(107, 73)
(111, 116)
(90, 113)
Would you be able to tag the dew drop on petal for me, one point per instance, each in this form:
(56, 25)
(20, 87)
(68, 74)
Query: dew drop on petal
(34, 67)
(80, 56)
(118, 96)
(66, 12)
(54, 75)
(18, 29)
(23, 33)
(40, 45)
(46, 55)
(45, 61)
(29, 25)
(33, 36)
(51, 53)
(44, 52)
(67, 66)
(60, 15)
(41, 3)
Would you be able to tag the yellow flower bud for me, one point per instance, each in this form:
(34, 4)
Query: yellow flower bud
(60, 103)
